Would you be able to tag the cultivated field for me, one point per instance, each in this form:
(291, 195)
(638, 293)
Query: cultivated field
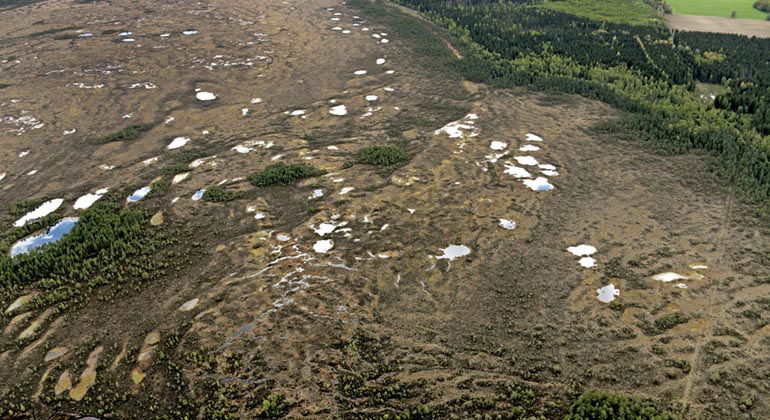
(450, 250)
(748, 27)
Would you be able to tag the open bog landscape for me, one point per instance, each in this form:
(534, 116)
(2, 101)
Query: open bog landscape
(328, 209)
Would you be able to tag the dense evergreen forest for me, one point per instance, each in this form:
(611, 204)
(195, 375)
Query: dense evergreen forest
(109, 245)
(640, 67)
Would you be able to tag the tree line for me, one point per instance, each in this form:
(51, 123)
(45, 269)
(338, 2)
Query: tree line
(645, 70)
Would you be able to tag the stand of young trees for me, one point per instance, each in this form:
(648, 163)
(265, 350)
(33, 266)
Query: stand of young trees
(109, 245)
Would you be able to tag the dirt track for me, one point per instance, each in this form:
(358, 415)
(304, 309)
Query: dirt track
(748, 27)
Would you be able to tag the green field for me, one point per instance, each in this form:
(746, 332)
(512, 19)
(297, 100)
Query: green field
(721, 8)
(633, 12)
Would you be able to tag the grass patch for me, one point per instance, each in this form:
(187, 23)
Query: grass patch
(129, 133)
(283, 174)
(440, 112)
(632, 12)
(720, 8)
(706, 89)
(557, 98)
(382, 155)
(219, 194)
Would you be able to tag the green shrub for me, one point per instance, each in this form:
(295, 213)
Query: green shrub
(131, 132)
(159, 188)
(176, 168)
(599, 405)
(64, 37)
(522, 399)
(187, 156)
(53, 31)
(10, 236)
(22, 207)
(382, 155)
(669, 321)
(218, 194)
(274, 406)
(283, 174)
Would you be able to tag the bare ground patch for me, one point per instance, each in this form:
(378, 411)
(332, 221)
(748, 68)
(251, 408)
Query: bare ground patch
(748, 27)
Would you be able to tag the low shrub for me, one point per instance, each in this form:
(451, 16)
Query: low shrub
(382, 155)
(283, 174)
(219, 194)
(274, 406)
(669, 321)
(131, 132)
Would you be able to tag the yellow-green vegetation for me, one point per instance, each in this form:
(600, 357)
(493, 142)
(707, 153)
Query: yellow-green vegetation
(283, 174)
(274, 406)
(631, 12)
(382, 155)
(598, 405)
(709, 57)
(721, 8)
